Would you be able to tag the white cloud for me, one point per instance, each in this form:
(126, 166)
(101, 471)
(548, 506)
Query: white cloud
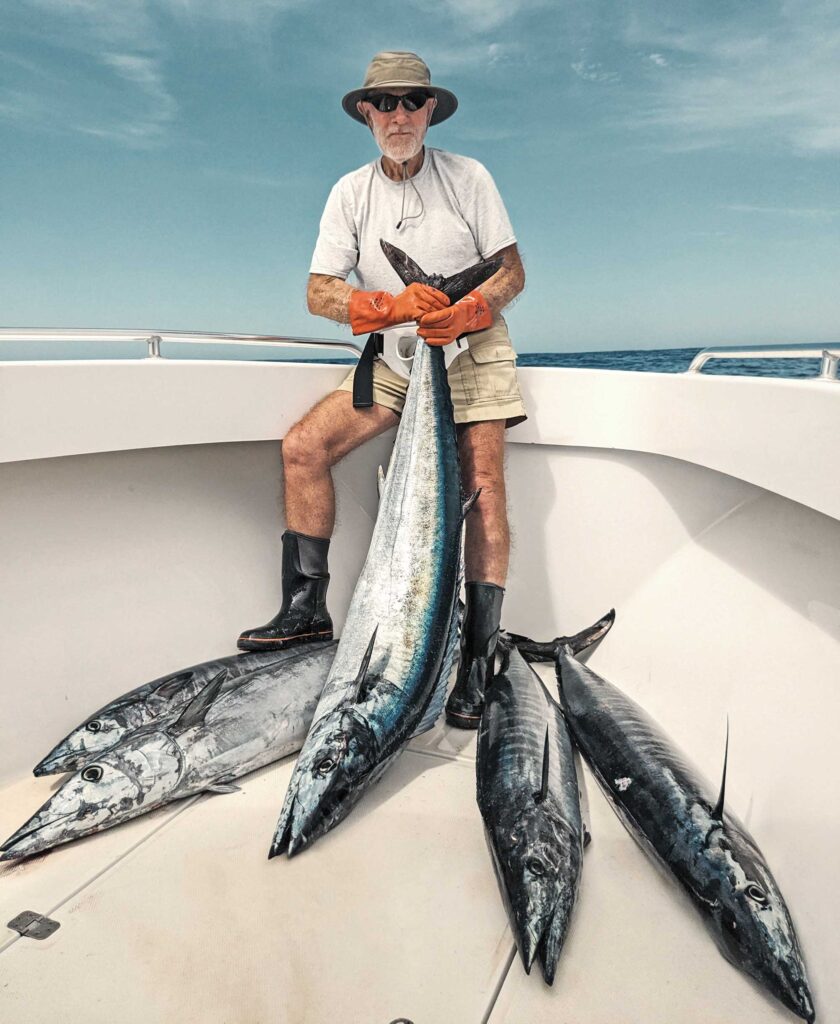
(594, 71)
(768, 74)
(797, 212)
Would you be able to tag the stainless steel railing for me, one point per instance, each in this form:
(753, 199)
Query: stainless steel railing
(829, 357)
(154, 339)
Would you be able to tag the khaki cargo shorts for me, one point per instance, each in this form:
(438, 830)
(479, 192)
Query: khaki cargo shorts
(482, 380)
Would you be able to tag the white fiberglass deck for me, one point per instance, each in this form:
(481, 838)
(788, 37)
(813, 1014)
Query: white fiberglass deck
(122, 565)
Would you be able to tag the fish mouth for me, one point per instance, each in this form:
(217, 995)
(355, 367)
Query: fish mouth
(8, 851)
(57, 764)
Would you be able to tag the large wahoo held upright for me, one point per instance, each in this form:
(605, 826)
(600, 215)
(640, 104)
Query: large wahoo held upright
(161, 698)
(677, 819)
(388, 680)
(528, 794)
(230, 728)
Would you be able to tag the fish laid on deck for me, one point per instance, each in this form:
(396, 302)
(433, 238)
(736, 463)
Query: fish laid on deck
(158, 699)
(226, 731)
(389, 677)
(528, 797)
(676, 817)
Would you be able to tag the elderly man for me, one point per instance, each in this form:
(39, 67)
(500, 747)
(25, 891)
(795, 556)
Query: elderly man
(446, 213)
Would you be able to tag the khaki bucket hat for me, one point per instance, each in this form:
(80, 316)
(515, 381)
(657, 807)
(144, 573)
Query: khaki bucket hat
(395, 69)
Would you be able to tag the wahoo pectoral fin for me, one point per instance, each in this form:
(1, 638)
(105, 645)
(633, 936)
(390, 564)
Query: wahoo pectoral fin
(222, 787)
(362, 688)
(195, 712)
(543, 790)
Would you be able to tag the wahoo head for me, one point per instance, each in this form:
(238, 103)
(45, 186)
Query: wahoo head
(94, 737)
(750, 921)
(538, 860)
(332, 773)
(128, 780)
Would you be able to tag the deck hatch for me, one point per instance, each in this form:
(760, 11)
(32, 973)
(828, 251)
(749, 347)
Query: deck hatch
(33, 925)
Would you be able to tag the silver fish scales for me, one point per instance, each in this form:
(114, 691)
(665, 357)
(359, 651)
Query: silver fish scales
(676, 818)
(389, 676)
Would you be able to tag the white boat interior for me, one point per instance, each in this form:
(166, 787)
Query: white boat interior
(141, 520)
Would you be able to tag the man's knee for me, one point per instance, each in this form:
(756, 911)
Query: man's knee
(304, 449)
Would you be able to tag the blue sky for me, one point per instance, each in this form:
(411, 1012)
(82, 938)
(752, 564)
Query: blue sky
(670, 168)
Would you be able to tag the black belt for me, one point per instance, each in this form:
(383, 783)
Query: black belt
(363, 377)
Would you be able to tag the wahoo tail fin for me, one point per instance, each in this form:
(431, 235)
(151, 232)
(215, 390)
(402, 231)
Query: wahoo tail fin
(455, 287)
(537, 650)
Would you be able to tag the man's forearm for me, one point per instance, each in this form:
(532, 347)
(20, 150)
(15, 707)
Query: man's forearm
(329, 297)
(506, 283)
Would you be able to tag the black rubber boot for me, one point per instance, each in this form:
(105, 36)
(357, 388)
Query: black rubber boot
(479, 632)
(303, 616)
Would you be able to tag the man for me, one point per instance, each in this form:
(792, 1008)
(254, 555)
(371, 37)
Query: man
(445, 212)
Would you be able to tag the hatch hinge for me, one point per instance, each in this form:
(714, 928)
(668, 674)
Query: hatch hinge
(33, 926)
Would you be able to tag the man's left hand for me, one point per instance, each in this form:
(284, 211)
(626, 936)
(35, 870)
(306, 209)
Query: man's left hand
(443, 326)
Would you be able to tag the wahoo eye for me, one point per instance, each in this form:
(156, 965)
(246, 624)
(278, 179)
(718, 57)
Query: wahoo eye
(536, 867)
(756, 894)
(93, 773)
(94, 726)
(325, 765)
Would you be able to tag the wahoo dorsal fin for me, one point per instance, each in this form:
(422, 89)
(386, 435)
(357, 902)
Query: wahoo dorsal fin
(173, 685)
(469, 502)
(362, 674)
(194, 713)
(406, 268)
(717, 813)
(542, 793)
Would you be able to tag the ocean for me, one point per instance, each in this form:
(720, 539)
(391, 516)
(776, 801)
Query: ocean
(661, 360)
(672, 360)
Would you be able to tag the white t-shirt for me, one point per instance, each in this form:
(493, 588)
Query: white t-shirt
(463, 220)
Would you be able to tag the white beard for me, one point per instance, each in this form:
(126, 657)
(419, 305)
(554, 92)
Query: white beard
(400, 148)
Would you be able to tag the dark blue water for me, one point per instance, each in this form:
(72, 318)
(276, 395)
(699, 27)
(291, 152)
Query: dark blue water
(662, 360)
(672, 360)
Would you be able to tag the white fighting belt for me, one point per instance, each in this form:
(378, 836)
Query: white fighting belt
(398, 344)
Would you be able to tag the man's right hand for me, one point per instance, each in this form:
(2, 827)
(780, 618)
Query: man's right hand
(376, 311)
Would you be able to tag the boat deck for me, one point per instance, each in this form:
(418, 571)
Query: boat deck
(141, 532)
(179, 915)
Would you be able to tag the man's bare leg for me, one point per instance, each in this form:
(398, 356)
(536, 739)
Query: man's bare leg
(328, 432)
(487, 545)
(486, 552)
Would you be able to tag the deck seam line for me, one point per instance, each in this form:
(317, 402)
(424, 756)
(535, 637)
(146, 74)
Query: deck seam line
(189, 803)
(500, 984)
(440, 757)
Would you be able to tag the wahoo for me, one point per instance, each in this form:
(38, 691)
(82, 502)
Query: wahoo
(161, 698)
(529, 800)
(388, 681)
(678, 820)
(230, 728)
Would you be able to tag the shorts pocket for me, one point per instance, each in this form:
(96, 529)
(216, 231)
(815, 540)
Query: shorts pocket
(489, 371)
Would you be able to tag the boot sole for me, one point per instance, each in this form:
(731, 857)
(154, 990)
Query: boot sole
(463, 721)
(279, 643)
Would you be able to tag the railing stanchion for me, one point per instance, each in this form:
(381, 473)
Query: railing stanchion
(828, 366)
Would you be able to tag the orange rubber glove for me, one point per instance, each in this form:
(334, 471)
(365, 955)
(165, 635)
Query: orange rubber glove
(445, 325)
(375, 311)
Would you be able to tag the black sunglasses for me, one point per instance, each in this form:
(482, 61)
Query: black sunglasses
(386, 102)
